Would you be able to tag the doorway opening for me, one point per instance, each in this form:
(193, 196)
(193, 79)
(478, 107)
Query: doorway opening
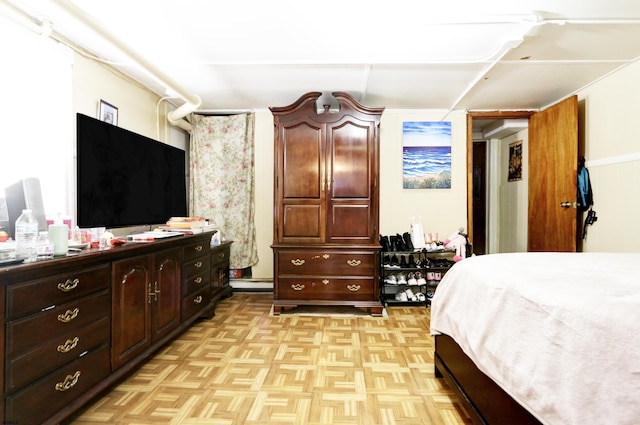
(497, 211)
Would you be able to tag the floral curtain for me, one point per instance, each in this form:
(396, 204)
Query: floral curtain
(222, 180)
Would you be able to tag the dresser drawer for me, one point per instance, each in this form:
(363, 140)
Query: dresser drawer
(196, 282)
(196, 249)
(326, 288)
(195, 266)
(27, 333)
(326, 263)
(194, 303)
(47, 396)
(220, 255)
(36, 295)
(28, 367)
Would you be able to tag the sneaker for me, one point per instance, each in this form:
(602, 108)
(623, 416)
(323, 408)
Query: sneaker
(401, 279)
(391, 280)
(410, 295)
(421, 297)
(420, 279)
(401, 296)
(411, 279)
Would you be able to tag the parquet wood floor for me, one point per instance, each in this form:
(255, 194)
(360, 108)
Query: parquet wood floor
(245, 366)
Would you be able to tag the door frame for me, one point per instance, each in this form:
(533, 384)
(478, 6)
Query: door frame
(482, 115)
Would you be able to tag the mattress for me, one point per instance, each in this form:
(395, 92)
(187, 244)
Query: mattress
(559, 332)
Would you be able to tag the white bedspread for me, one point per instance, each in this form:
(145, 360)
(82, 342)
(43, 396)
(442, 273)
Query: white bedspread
(559, 332)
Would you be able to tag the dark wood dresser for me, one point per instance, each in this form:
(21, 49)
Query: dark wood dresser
(74, 325)
(326, 200)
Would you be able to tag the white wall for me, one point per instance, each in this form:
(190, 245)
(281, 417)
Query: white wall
(513, 197)
(612, 151)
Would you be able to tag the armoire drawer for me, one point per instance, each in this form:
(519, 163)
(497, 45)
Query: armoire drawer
(326, 263)
(27, 333)
(37, 402)
(30, 366)
(38, 294)
(325, 288)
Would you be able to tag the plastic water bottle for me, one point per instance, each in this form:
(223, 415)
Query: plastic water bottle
(26, 234)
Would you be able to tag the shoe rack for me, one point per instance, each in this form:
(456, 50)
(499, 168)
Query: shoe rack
(410, 276)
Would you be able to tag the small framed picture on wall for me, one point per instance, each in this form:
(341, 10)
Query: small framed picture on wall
(108, 113)
(515, 161)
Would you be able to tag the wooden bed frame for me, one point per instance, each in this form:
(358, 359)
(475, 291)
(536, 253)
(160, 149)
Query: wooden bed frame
(484, 401)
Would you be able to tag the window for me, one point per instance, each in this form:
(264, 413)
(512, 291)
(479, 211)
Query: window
(36, 131)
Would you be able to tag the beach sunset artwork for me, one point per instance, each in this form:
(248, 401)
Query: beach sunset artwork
(426, 155)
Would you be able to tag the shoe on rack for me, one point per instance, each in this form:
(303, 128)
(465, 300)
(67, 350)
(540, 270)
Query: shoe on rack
(410, 295)
(401, 296)
(420, 279)
(403, 262)
(429, 294)
(411, 279)
(384, 242)
(386, 261)
(401, 279)
(400, 243)
(411, 262)
(394, 261)
(391, 280)
(421, 297)
(406, 237)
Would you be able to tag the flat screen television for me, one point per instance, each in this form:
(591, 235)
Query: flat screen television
(126, 179)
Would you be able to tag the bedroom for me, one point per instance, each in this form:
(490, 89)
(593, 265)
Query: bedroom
(609, 133)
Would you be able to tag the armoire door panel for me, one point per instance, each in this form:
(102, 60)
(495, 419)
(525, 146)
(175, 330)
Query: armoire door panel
(303, 170)
(350, 161)
(302, 221)
(350, 222)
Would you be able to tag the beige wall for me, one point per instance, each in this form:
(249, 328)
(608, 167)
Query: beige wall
(612, 151)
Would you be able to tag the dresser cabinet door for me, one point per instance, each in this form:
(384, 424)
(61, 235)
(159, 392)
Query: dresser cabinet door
(165, 293)
(130, 308)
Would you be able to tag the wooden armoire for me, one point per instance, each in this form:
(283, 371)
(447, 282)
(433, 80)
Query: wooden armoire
(326, 200)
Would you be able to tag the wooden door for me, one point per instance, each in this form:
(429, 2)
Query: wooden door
(351, 175)
(301, 183)
(165, 293)
(130, 308)
(553, 158)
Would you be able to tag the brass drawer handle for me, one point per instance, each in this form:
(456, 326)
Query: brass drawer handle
(68, 382)
(325, 281)
(198, 264)
(354, 263)
(222, 255)
(69, 345)
(69, 285)
(353, 288)
(297, 286)
(198, 248)
(297, 262)
(326, 256)
(197, 280)
(68, 315)
(198, 299)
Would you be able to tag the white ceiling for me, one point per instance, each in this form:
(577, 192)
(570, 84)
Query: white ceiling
(252, 54)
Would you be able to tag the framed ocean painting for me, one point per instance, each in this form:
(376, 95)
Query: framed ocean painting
(426, 155)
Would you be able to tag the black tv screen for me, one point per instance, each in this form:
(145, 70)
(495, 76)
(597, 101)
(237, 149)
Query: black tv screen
(126, 179)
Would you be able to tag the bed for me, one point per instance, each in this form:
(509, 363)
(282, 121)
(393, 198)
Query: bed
(541, 338)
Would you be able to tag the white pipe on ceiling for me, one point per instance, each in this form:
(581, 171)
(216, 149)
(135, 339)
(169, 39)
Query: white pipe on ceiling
(175, 117)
